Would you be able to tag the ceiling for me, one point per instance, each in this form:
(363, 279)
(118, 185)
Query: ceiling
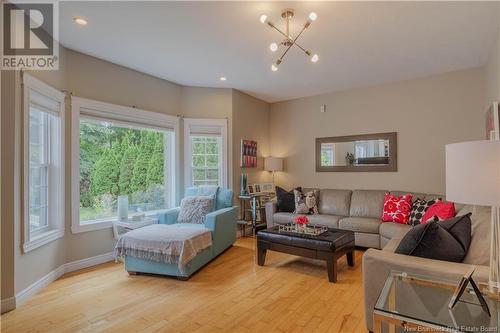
(359, 43)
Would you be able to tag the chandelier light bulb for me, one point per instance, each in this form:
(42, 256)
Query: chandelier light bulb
(313, 16)
(274, 68)
(263, 18)
(314, 58)
(273, 47)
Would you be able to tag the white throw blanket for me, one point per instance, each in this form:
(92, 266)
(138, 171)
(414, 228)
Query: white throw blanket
(169, 243)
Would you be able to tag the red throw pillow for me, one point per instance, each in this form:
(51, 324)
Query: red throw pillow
(397, 209)
(443, 210)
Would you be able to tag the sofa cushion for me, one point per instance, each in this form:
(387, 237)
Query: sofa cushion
(396, 208)
(367, 203)
(285, 199)
(335, 202)
(330, 221)
(443, 210)
(360, 224)
(418, 210)
(283, 218)
(479, 249)
(306, 202)
(390, 229)
(436, 240)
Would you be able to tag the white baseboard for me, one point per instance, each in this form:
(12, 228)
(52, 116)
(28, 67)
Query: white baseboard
(27, 293)
(8, 304)
(38, 285)
(88, 262)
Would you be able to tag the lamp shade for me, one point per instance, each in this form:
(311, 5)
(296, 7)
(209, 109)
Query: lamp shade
(473, 172)
(273, 164)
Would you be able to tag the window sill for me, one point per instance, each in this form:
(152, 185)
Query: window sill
(105, 223)
(86, 227)
(42, 239)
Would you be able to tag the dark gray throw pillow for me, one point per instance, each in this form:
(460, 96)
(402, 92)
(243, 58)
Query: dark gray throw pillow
(285, 200)
(444, 240)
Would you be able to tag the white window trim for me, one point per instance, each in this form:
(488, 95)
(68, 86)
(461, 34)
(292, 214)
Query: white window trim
(57, 227)
(217, 123)
(118, 113)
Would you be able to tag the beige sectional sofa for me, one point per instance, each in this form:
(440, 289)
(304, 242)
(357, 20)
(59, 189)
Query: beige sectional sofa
(360, 211)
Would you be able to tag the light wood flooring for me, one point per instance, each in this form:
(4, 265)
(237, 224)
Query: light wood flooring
(230, 294)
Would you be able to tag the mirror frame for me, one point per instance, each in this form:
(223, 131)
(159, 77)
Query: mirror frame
(393, 153)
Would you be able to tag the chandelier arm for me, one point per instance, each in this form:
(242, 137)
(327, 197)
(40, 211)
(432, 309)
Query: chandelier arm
(293, 41)
(297, 44)
(284, 53)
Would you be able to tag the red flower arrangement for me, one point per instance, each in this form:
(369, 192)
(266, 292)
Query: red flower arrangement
(301, 220)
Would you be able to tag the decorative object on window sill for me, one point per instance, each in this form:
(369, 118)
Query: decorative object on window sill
(473, 177)
(243, 184)
(248, 154)
(462, 286)
(123, 207)
(273, 164)
(289, 40)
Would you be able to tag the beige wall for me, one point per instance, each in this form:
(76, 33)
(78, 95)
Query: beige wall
(492, 69)
(251, 122)
(7, 190)
(89, 77)
(427, 113)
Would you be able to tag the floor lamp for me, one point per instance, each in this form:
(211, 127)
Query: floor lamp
(273, 164)
(473, 177)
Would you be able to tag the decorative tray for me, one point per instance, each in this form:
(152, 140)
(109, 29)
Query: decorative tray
(299, 229)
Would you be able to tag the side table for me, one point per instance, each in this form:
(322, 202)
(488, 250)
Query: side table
(121, 227)
(420, 304)
(251, 200)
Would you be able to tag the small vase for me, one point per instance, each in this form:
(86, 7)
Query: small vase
(243, 184)
(123, 207)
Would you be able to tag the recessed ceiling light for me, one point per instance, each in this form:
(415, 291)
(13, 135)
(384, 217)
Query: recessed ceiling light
(223, 78)
(80, 20)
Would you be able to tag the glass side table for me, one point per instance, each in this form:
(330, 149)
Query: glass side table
(413, 303)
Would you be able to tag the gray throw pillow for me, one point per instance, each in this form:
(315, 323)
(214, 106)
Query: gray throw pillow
(194, 209)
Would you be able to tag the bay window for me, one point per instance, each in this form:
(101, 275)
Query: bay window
(121, 152)
(43, 163)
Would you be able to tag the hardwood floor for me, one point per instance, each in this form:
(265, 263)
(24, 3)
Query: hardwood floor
(231, 294)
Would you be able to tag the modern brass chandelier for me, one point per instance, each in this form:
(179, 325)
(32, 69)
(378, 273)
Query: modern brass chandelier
(289, 40)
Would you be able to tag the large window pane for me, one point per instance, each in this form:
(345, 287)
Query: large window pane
(206, 160)
(118, 160)
(38, 169)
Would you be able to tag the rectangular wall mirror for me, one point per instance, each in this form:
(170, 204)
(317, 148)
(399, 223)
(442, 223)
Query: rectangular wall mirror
(357, 153)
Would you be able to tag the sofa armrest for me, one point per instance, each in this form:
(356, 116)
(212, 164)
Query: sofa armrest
(378, 264)
(223, 225)
(271, 208)
(168, 216)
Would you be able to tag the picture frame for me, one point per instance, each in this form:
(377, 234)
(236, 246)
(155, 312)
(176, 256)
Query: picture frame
(248, 157)
(267, 187)
(257, 188)
(250, 189)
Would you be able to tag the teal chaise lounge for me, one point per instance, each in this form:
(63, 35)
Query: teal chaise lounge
(222, 224)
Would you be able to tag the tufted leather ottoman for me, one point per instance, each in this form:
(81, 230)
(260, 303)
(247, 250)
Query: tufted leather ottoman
(328, 246)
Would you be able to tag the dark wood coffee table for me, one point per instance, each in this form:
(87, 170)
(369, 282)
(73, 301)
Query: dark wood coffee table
(329, 246)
